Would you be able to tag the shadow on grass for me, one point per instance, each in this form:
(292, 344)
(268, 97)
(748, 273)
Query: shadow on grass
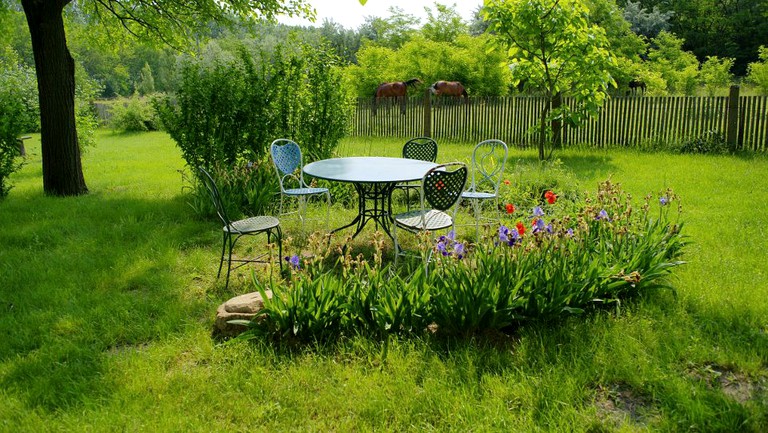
(88, 275)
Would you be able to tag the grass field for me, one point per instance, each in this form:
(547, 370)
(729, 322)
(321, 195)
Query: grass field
(107, 304)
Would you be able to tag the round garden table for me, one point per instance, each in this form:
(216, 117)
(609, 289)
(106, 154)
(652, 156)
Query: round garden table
(374, 179)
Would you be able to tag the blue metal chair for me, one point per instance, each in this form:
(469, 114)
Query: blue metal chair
(488, 160)
(440, 190)
(234, 230)
(287, 158)
(421, 148)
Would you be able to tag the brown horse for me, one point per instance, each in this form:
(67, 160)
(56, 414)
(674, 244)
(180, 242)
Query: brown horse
(448, 88)
(397, 89)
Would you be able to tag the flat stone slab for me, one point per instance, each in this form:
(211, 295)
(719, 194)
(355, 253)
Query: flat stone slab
(243, 307)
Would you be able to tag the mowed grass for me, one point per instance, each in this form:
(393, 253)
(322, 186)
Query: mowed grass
(107, 304)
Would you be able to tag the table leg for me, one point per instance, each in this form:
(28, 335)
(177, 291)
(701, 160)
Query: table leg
(380, 196)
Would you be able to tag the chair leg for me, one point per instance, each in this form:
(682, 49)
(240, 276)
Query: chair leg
(477, 207)
(223, 247)
(394, 240)
(328, 212)
(231, 245)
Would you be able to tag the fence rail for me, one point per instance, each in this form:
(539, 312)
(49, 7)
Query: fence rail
(625, 121)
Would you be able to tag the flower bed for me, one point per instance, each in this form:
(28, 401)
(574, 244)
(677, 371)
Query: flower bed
(533, 268)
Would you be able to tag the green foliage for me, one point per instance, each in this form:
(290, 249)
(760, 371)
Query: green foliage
(680, 69)
(758, 71)
(134, 114)
(146, 84)
(527, 183)
(231, 108)
(392, 31)
(466, 59)
(710, 142)
(444, 24)
(542, 269)
(553, 46)
(18, 105)
(715, 74)
(647, 22)
(246, 188)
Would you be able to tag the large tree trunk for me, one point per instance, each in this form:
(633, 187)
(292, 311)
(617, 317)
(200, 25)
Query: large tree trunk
(55, 69)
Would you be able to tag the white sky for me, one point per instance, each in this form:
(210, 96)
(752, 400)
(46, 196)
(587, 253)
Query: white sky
(350, 13)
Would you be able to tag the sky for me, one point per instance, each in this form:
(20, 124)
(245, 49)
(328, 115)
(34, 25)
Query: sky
(350, 13)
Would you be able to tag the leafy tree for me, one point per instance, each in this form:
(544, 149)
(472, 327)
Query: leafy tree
(391, 32)
(645, 22)
(679, 68)
(444, 25)
(758, 71)
(553, 45)
(146, 84)
(477, 25)
(716, 74)
(168, 20)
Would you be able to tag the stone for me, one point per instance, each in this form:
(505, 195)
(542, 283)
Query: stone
(243, 307)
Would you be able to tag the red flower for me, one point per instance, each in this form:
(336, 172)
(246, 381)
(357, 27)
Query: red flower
(510, 208)
(520, 228)
(507, 182)
(551, 197)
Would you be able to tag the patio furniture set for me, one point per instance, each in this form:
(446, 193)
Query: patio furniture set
(441, 187)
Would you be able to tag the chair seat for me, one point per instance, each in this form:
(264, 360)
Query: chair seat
(478, 195)
(433, 220)
(252, 225)
(306, 191)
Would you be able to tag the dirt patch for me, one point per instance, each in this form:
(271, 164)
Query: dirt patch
(736, 385)
(619, 404)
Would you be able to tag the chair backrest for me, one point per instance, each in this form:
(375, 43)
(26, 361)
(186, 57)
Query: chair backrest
(287, 158)
(423, 148)
(442, 186)
(210, 185)
(488, 160)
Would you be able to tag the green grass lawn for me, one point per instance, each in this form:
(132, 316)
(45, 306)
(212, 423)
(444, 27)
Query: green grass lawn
(107, 304)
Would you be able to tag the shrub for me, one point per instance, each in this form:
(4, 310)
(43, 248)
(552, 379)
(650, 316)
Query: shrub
(20, 112)
(711, 142)
(757, 72)
(246, 188)
(134, 114)
(230, 108)
(541, 268)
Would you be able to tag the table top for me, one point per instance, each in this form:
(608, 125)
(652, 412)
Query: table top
(369, 169)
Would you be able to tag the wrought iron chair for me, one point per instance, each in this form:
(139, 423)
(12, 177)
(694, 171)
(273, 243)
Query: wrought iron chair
(488, 160)
(421, 148)
(440, 189)
(287, 158)
(233, 230)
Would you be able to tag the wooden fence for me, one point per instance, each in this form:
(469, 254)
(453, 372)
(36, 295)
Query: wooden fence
(632, 121)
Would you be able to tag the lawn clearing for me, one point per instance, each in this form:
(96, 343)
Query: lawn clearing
(107, 303)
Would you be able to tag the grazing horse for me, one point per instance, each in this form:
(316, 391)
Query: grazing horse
(448, 88)
(397, 89)
(636, 84)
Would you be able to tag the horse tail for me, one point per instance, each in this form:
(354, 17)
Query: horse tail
(412, 82)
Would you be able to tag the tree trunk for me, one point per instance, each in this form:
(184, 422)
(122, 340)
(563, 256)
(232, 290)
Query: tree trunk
(55, 70)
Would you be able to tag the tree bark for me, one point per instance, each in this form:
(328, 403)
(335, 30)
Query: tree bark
(55, 70)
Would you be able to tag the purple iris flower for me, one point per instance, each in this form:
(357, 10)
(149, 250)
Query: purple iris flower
(442, 248)
(458, 249)
(538, 225)
(663, 201)
(538, 212)
(603, 215)
(503, 234)
(569, 233)
(293, 261)
(549, 228)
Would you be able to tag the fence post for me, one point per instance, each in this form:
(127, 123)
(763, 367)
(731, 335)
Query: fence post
(427, 113)
(732, 122)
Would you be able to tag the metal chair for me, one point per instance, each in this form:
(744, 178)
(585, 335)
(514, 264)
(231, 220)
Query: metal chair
(233, 230)
(440, 189)
(421, 148)
(488, 160)
(287, 158)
